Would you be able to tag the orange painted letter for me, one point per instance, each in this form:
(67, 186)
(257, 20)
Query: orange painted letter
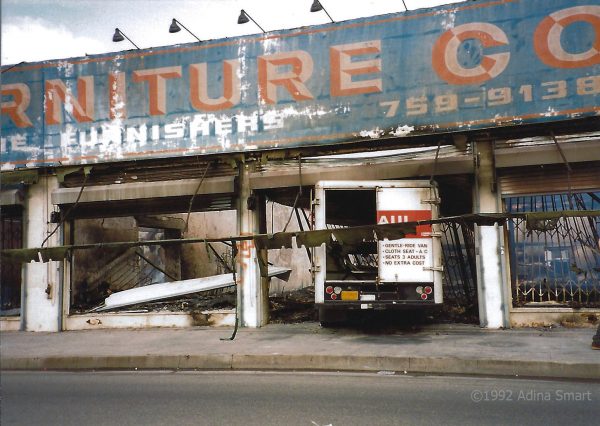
(269, 75)
(15, 109)
(157, 86)
(199, 87)
(546, 39)
(343, 68)
(445, 51)
(57, 93)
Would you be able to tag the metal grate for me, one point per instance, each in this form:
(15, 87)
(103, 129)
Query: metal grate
(557, 263)
(458, 253)
(11, 238)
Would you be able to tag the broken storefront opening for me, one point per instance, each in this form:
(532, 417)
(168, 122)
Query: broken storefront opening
(158, 211)
(104, 271)
(99, 274)
(11, 237)
(148, 234)
(316, 238)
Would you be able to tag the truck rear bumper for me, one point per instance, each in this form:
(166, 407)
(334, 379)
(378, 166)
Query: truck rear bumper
(377, 305)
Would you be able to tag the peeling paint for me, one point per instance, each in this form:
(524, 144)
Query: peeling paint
(373, 134)
(403, 130)
(404, 93)
(66, 68)
(448, 22)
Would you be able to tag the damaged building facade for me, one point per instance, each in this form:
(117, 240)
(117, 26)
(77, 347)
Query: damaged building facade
(141, 176)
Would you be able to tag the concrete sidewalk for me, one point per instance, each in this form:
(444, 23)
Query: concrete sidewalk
(444, 349)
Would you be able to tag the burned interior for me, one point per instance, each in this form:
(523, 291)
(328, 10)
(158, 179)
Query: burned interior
(11, 238)
(100, 272)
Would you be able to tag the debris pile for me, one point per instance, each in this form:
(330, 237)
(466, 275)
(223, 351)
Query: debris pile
(293, 307)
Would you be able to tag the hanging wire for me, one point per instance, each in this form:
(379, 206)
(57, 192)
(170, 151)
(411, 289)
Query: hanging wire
(298, 195)
(66, 215)
(234, 252)
(187, 218)
(567, 165)
(437, 155)
(433, 190)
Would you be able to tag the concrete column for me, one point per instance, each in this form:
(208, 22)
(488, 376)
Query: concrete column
(253, 294)
(41, 302)
(493, 312)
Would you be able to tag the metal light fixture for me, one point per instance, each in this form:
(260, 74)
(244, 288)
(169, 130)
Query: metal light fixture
(317, 7)
(120, 36)
(174, 28)
(244, 18)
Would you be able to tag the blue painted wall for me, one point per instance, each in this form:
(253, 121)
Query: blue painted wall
(469, 65)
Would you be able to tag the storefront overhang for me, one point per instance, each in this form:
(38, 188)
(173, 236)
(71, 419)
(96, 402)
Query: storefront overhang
(413, 163)
(543, 150)
(408, 164)
(11, 197)
(144, 190)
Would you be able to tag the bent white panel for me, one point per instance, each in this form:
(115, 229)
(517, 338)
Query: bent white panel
(167, 290)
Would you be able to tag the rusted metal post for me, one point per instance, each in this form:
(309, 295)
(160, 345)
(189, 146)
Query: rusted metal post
(253, 302)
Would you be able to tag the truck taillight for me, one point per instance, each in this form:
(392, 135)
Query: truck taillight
(424, 296)
(329, 289)
(428, 290)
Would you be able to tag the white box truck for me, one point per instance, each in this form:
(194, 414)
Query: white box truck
(371, 274)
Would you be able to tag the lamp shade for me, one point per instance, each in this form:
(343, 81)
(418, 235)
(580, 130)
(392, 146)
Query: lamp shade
(117, 36)
(243, 18)
(174, 28)
(316, 6)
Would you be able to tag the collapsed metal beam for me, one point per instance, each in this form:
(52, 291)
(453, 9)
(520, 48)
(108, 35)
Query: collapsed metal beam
(280, 240)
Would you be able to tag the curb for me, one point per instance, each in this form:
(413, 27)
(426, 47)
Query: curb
(412, 365)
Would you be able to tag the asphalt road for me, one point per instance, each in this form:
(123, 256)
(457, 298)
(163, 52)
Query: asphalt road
(255, 398)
